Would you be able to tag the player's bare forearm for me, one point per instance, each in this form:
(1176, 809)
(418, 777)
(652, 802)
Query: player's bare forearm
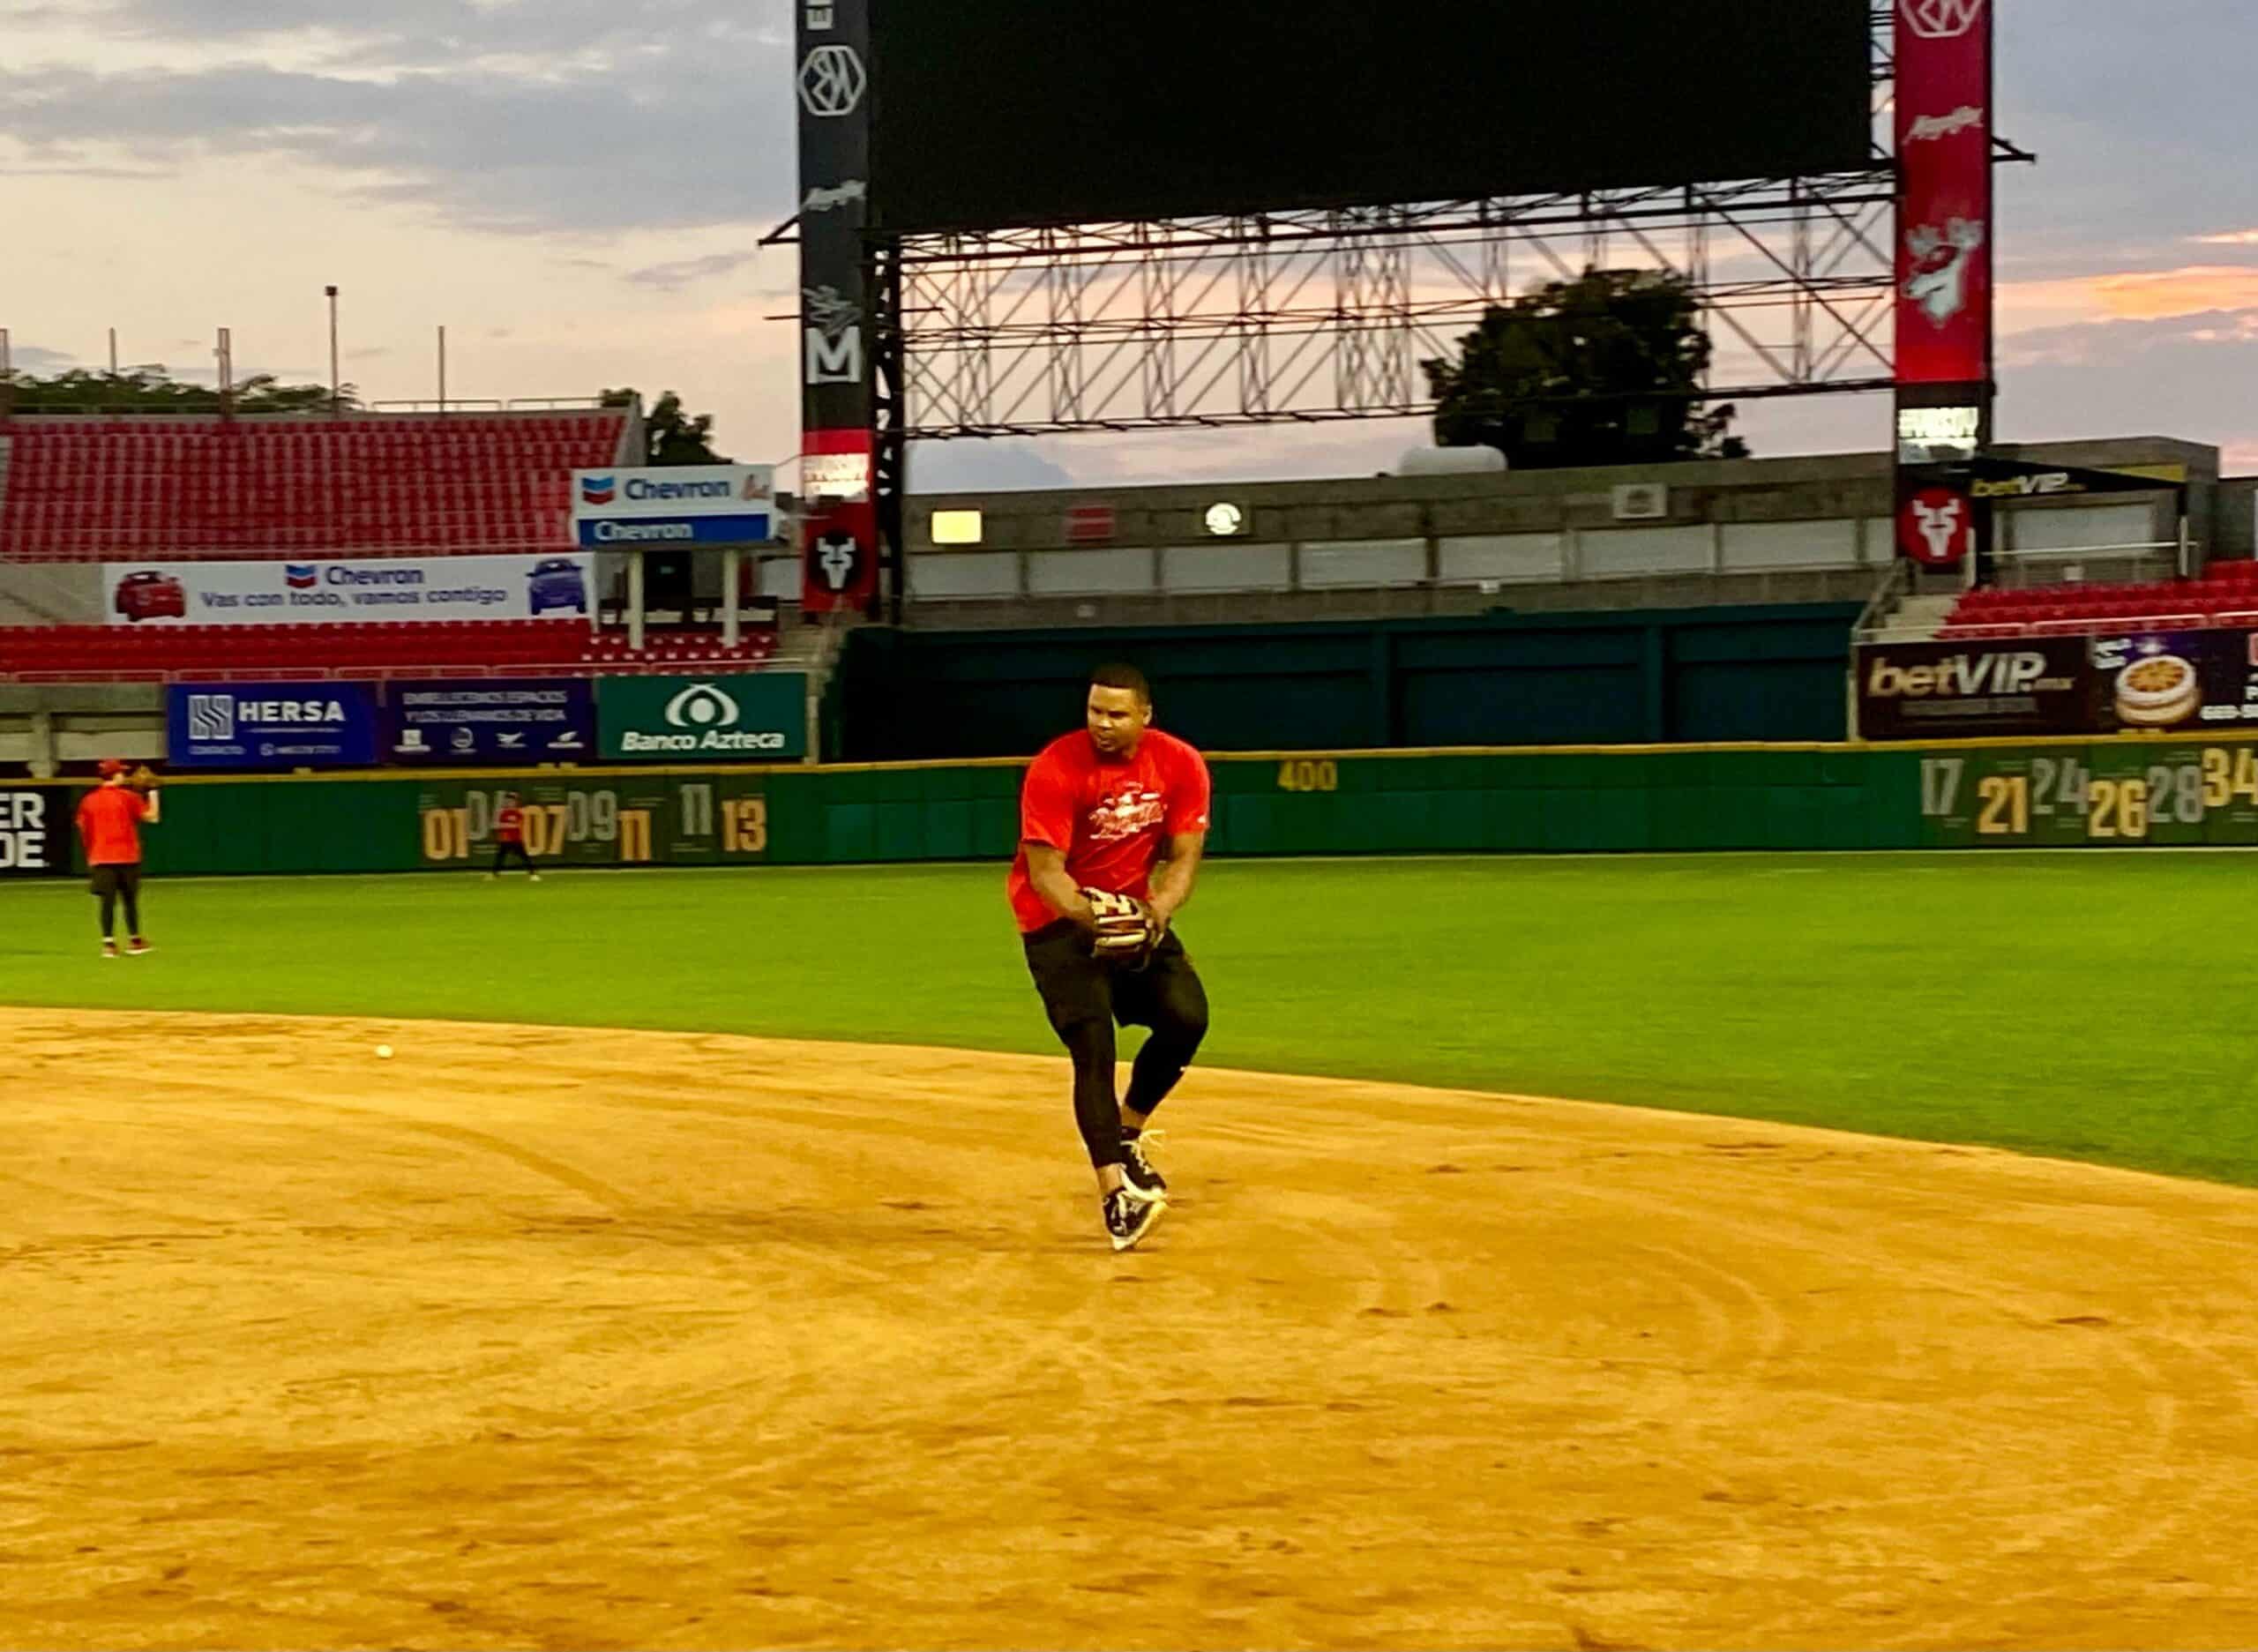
(1046, 870)
(1172, 883)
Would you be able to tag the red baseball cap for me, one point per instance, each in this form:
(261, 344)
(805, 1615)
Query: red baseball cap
(110, 766)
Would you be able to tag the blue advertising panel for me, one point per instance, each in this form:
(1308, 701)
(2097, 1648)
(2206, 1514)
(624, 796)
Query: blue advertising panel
(753, 527)
(271, 725)
(534, 720)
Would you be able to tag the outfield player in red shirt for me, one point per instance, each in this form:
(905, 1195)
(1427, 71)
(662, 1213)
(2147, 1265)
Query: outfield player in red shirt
(110, 818)
(1112, 823)
(510, 839)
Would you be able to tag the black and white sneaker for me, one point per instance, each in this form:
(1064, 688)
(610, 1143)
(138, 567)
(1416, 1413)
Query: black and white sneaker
(1130, 1215)
(1137, 1164)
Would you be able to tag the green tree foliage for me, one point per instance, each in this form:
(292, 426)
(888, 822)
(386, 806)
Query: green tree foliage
(674, 437)
(149, 390)
(1605, 369)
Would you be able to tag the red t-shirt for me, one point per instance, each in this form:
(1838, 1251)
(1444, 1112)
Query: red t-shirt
(1113, 816)
(109, 821)
(510, 825)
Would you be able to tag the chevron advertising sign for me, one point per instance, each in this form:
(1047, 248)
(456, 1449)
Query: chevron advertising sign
(627, 508)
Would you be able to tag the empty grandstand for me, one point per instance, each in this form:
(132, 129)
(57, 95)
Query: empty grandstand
(79, 488)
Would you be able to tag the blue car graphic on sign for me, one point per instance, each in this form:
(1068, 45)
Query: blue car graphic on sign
(556, 582)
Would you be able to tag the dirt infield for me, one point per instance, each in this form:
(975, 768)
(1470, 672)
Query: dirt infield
(553, 1338)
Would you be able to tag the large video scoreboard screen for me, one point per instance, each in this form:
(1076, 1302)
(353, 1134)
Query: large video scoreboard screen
(990, 113)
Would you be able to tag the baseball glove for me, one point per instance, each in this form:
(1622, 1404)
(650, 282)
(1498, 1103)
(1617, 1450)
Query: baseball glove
(143, 780)
(1127, 928)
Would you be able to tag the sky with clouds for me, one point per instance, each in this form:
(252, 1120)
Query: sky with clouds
(574, 188)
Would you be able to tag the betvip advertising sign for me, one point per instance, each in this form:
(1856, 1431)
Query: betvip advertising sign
(536, 721)
(674, 505)
(371, 590)
(1946, 689)
(1944, 212)
(700, 719)
(36, 825)
(271, 725)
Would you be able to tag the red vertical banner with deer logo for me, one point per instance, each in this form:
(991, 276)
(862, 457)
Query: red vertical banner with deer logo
(1943, 124)
(1944, 209)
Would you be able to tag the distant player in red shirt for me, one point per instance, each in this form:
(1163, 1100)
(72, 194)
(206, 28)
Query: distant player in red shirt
(1112, 823)
(510, 839)
(110, 818)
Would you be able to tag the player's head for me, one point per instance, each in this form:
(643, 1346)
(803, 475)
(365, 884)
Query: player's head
(1120, 705)
(112, 770)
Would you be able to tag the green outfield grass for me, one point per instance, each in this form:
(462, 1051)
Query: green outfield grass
(2087, 1005)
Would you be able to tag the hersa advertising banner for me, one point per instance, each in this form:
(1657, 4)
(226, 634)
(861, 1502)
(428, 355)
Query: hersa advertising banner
(761, 718)
(271, 725)
(1944, 212)
(360, 590)
(36, 824)
(627, 508)
(495, 721)
(1938, 690)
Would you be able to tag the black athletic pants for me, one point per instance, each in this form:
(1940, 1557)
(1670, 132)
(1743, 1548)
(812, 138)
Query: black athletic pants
(505, 852)
(108, 884)
(1084, 999)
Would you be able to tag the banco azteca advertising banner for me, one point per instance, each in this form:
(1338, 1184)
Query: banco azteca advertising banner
(687, 720)
(357, 590)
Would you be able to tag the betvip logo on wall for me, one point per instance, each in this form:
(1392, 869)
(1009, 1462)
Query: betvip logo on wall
(761, 718)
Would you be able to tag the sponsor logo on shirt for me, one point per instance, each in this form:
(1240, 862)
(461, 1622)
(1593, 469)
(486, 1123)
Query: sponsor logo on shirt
(1127, 811)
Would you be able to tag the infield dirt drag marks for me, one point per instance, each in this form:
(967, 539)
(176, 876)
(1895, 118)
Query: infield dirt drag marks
(530, 1337)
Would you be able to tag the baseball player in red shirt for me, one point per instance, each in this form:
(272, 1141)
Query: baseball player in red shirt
(110, 818)
(510, 839)
(1112, 823)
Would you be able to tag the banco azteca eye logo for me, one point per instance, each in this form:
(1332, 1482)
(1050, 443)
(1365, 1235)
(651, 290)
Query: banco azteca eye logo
(701, 706)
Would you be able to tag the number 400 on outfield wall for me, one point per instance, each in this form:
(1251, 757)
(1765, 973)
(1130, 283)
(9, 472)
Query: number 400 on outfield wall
(2122, 794)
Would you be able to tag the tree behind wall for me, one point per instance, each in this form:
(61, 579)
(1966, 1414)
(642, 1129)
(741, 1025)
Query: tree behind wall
(150, 390)
(673, 437)
(1605, 369)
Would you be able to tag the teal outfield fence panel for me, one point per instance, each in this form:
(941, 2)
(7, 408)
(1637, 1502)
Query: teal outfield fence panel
(1633, 676)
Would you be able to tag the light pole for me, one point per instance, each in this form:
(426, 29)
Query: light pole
(336, 385)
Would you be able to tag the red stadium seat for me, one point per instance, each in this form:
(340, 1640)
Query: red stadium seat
(82, 488)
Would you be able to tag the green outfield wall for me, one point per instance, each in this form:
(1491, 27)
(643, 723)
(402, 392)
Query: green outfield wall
(2064, 794)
